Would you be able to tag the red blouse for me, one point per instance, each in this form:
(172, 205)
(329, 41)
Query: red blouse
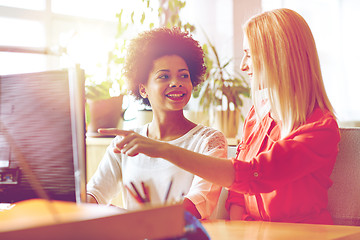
(286, 180)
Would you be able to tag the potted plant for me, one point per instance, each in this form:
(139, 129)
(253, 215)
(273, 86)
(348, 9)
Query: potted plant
(104, 97)
(103, 110)
(222, 93)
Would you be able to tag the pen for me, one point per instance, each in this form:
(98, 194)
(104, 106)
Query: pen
(168, 191)
(137, 198)
(146, 192)
(137, 192)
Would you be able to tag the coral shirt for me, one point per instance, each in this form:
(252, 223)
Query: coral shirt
(286, 180)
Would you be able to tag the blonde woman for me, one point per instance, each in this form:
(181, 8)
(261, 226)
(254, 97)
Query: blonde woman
(282, 169)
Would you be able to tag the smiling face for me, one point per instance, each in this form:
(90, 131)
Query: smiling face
(169, 85)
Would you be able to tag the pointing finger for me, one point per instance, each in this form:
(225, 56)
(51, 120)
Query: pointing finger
(113, 131)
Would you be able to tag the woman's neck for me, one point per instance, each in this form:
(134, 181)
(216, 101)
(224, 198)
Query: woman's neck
(169, 126)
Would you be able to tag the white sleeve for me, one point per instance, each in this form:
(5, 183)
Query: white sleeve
(202, 193)
(105, 184)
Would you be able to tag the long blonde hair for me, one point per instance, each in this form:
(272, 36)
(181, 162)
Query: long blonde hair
(286, 63)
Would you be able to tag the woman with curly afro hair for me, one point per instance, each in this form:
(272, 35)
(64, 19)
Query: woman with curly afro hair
(162, 67)
(151, 45)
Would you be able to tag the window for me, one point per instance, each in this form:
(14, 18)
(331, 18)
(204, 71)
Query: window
(87, 28)
(33, 4)
(28, 33)
(37, 26)
(334, 24)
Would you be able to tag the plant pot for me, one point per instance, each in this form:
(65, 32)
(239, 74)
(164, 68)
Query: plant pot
(104, 113)
(227, 122)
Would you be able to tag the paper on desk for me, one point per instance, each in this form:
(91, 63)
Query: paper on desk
(36, 212)
(32, 219)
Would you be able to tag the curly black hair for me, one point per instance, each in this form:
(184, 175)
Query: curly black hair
(153, 44)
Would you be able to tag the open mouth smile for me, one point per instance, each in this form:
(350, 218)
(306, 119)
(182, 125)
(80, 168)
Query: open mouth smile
(175, 95)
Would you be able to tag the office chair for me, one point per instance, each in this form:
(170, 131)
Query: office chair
(344, 194)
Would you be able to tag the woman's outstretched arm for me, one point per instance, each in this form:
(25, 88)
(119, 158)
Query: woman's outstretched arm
(217, 170)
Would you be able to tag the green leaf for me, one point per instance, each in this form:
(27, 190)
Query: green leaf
(142, 18)
(132, 17)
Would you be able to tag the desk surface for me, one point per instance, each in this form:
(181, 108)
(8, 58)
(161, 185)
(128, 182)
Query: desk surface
(221, 229)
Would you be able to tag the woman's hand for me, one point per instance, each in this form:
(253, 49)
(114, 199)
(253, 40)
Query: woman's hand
(132, 143)
(90, 199)
(217, 170)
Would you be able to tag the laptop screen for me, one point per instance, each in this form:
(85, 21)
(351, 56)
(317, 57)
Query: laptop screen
(43, 124)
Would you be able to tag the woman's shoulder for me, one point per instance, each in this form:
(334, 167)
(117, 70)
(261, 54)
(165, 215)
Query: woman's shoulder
(322, 118)
(207, 140)
(209, 135)
(207, 132)
(321, 121)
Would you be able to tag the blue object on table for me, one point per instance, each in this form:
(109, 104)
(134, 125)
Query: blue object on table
(194, 230)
